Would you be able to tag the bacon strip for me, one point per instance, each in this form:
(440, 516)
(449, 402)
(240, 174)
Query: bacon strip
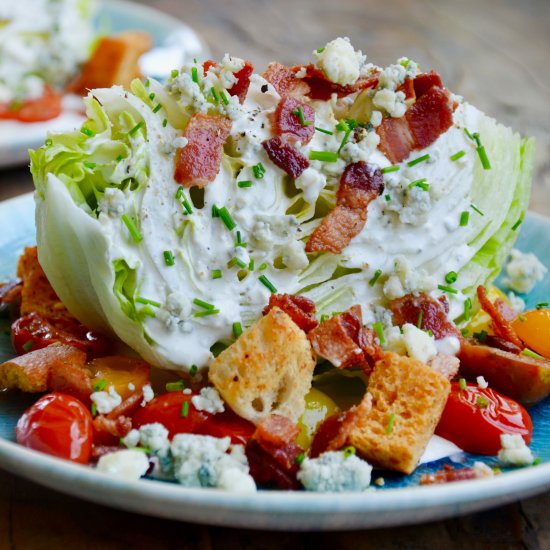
(198, 163)
(423, 82)
(396, 139)
(287, 124)
(499, 313)
(449, 474)
(272, 452)
(285, 156)
(360, 184)
(240, 88)
(434, 314)
(300, 309)
(284, 80)
(344, 341)
(108, 431)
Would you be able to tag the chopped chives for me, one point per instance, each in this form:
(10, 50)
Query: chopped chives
(136, 128)
(193, 370)
(168, 257)
(119, 158)
(28, 345)
(100, 385)
(251, 265)
(87, 131)
(447, 289)
(157, 108)
(451, 277)
(518, 223)
(206, 313)
(224, 98)
(240, 241)
(215, 211)
(203, 304)
(419, 320)
(216, 274)
(237, 329)
(419, 183)
(462, 383)
(185, 409)
(537, 461)
(458, 155)
(349, 451)
(480, 336)
(475, 137)
(174, 73)
(267, 283)
(483, 157)
(375, 277)
(164, 123)
(387, 197)
(214, 94)
(147, 83)
(466, 314)
(187, 206)
(323, 131)
(194, 75)
(151, 96)
(142, 300)
(175, 386)
(530, 353)
(300, 114)
(299, 459)
(464, 217)
(258, 170)
(324, 156)
(388, 169)
(391, 420)
(262, 267)
(476, 209)
(379, 329)
(418, 160)
(464, 332)
(48, 142)
(93, 409)
(226, 218)
(324, 317)
(468, 134)
(132, 229)
(541, 305)
(245, 183)
(235, 261)
(179, 193)
(320, 50)
(482, 402)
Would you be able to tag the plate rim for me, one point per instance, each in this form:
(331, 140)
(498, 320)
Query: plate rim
(279, 510)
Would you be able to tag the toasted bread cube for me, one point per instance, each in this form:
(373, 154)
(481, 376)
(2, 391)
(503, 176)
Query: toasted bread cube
(31, 372)
(267, 370)
(114, 61)
(408, 398)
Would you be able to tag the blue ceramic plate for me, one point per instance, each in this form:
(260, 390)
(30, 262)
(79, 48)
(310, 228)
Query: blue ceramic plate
(401, 501)
(174, 44)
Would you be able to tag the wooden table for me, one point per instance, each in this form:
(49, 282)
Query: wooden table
(495, 54)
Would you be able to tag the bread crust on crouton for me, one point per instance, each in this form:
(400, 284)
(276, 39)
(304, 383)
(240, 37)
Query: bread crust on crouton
(408, 398)
(267, 370)
(31, 372)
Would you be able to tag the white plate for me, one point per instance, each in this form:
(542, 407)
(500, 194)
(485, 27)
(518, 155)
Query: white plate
(174, 44)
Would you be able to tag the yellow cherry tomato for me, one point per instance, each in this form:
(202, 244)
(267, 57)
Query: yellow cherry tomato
(318, 407)
(533, 328)
(481, 320)
(124, 373)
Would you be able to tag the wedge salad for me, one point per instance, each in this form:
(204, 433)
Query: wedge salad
(305, 256)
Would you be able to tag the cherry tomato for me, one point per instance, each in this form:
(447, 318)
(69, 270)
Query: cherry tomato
(169, 409)
(474, 418)
(533, 327)
(59, 425)
(33, 110)
(33, 331)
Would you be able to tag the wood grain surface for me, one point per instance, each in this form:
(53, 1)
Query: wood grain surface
(495, 54)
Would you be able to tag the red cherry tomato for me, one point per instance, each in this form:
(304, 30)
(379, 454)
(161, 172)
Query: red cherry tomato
(33, 110)
(59, 425)
(168, 409)
(33, 331)
(474, 418)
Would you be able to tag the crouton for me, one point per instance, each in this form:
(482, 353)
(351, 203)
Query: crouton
(267, 370)
(31, 372)
(114, 61)
(37, 295)
(408, 398)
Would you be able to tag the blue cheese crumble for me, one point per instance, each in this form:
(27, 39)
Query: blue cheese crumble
(128, 464)
(523, 271)
(514, 451)
(208, 400)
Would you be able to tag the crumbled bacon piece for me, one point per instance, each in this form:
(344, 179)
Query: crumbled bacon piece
(323, 88)
(333, 433)
(501, 325)
(449, 474)
(434, 314)
(396, 140)
(287, 122)
(502, 344)
(108, 431)
(207, 65)
(344, 341)
(360, 184)
(430, 116)
(240, 88)
(272, 452)
(284, 80)
(300, 309)
(408, 89)
(128, 406)
(423, 82)
(198, 163)
(285, 156)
